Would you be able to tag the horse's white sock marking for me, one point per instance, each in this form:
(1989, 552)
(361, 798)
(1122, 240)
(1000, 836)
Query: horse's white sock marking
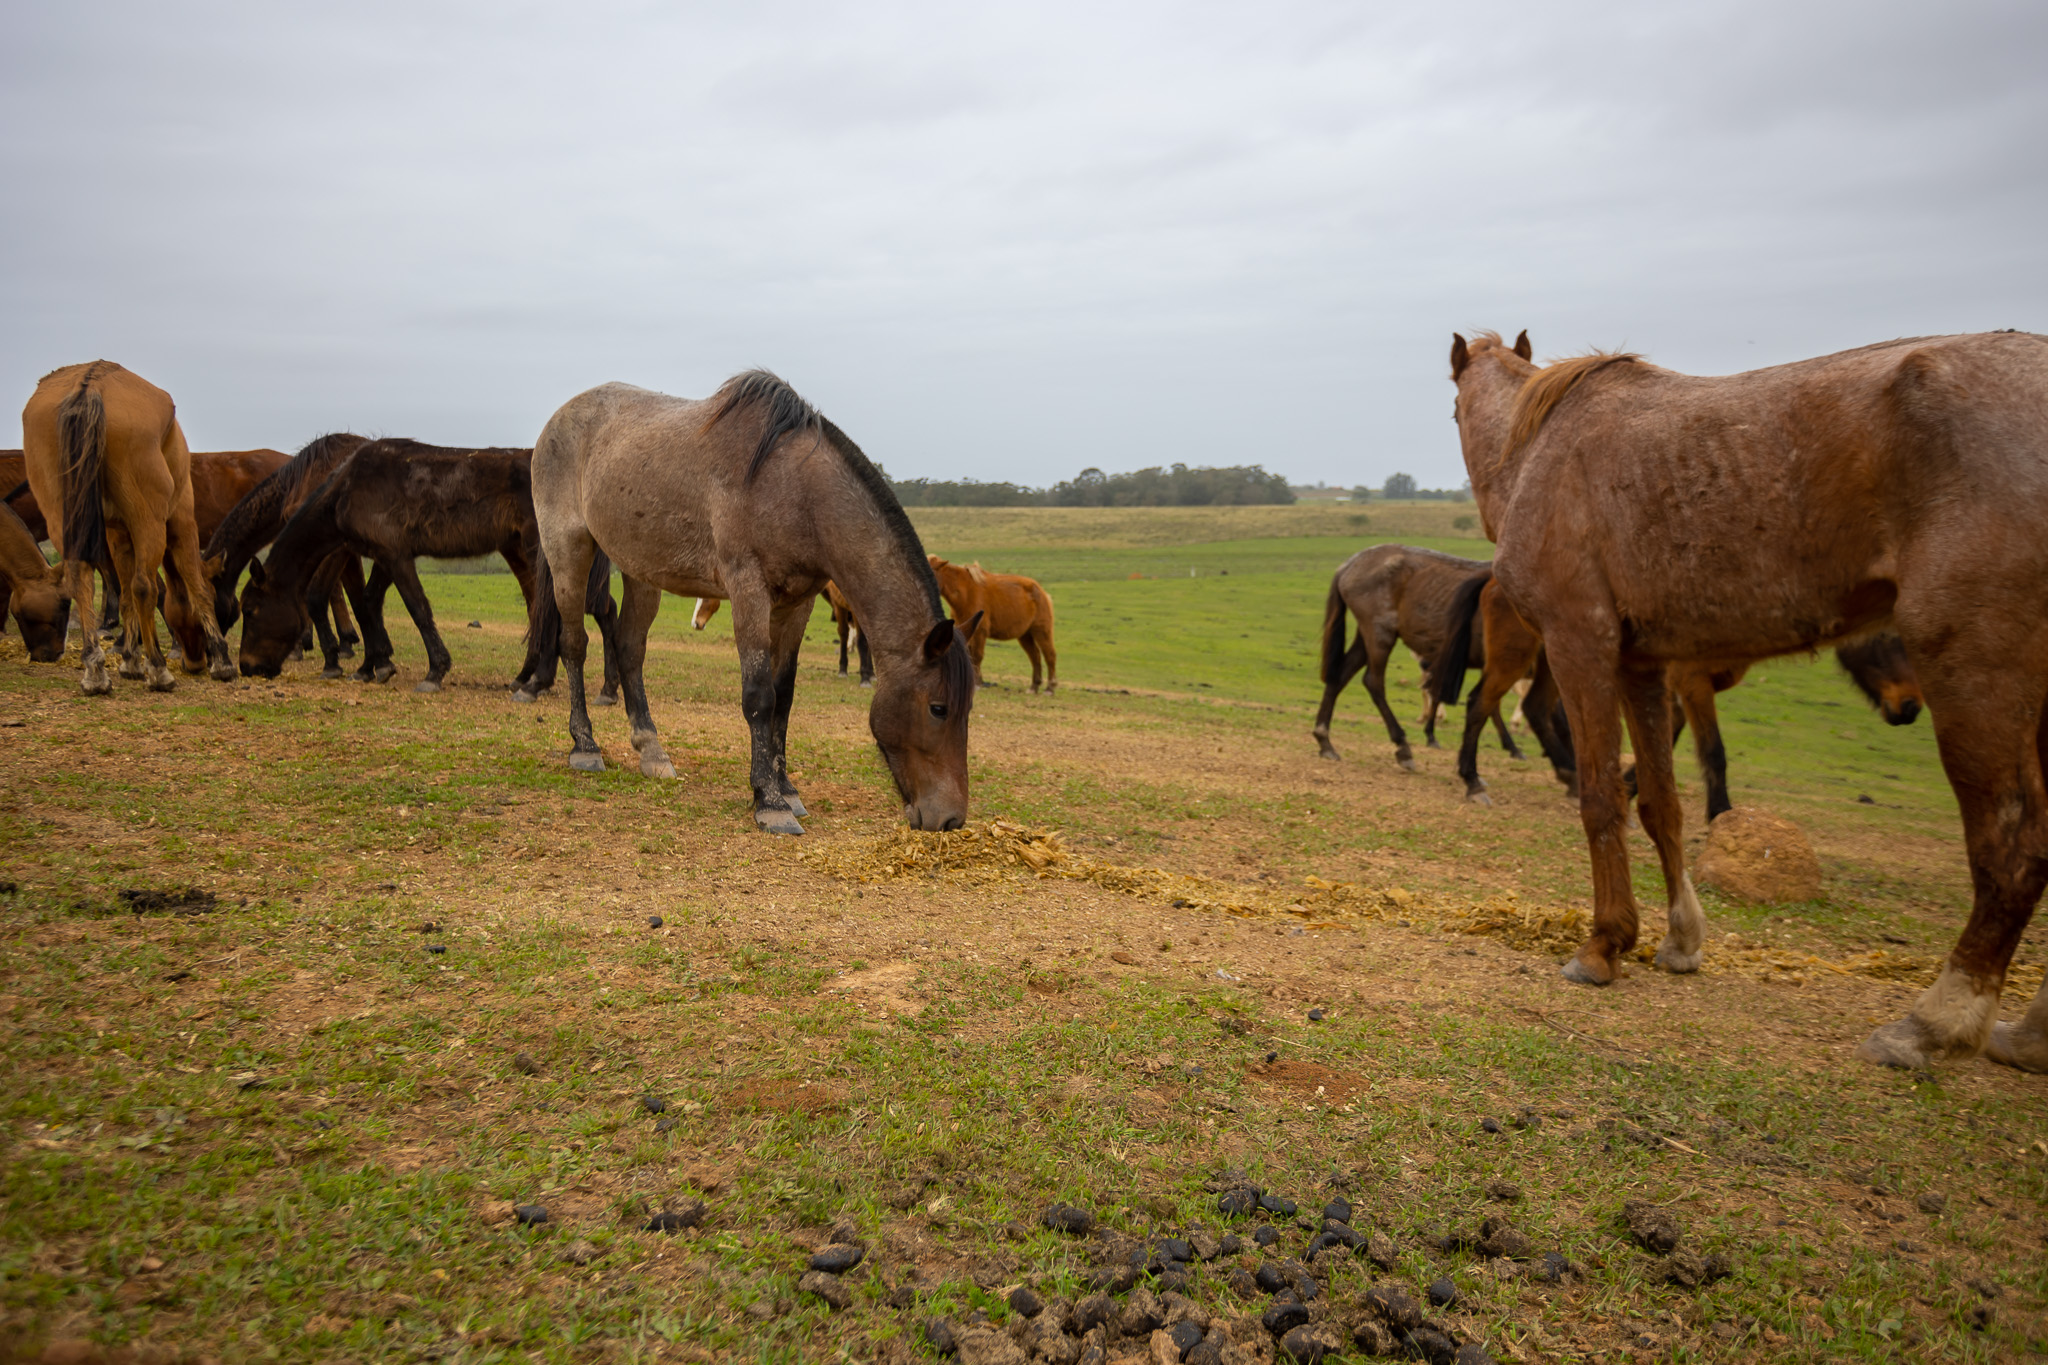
(1956, 1012)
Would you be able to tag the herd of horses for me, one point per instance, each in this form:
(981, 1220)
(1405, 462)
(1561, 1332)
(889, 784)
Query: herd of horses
(1656, 534)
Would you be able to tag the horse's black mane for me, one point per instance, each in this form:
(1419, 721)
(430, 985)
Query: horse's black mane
(787, 412)
(258, 508)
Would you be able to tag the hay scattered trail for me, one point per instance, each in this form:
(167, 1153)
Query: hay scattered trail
(997, 851)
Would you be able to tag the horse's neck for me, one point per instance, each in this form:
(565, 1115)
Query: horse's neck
(1483, 433)
(21, 559)
(305, 540)
(876, 574)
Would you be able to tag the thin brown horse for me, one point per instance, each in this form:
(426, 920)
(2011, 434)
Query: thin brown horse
(752, 496)
(111, 472)
(1010, 607)
(1399, 595)
(1646, 518)
(31, 588)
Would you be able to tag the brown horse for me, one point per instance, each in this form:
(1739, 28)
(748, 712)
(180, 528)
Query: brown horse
(253, 520)
(1011, 607)
(1399, 594)
(1514, 652)
(392, 501)
(1646, 518)
(753, 496)
(33, 589)
(111, 472)
(842, 621)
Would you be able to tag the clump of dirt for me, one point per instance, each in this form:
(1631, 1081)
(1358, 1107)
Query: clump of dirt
(773, 1096)
(1758, 857)
(1309, 1081)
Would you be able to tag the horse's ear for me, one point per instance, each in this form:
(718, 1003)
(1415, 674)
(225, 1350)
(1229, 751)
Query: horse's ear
(255, 573)
(1460, 357)
(936, 562)
(939, 641)
(1522, 346)
(973, 624)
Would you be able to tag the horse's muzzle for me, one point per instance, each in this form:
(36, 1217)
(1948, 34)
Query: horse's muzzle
(919, 818)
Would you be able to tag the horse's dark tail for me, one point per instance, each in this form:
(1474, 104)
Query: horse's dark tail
(1447, 679)
(1334, 616)
(82, 436)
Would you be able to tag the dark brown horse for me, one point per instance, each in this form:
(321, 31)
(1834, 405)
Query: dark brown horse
(1646, 518)
(112, 474)
(391, 502)
(1877, 666)
(1399, 594)
(253, 520)
(752, 496)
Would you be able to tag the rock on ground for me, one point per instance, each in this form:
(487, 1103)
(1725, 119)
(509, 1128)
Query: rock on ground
(1758, 857)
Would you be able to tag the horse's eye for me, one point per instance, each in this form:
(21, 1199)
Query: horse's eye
(938, 710)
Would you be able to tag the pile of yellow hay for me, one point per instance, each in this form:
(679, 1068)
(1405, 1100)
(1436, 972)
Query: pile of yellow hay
(998, 851)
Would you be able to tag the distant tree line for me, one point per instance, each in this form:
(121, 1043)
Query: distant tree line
(1172, 486)
(1401, 488)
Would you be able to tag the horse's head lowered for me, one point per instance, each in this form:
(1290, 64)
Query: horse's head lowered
(919, 718)
(274, 619)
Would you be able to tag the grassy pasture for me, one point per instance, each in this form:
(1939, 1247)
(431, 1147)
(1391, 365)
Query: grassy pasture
(936, 1058)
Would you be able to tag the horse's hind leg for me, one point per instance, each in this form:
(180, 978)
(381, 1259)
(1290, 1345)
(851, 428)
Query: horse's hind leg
(144, 550)
(1695, 694)
(406, 575)
(319, 599)
(376, 665)
(1649, 723)
(1586, 669)
(1031, 652)
(1545, 712)
(1507, 740)
(1376, 686)
(867, 657)
(607, 616)
(1347, 669)
(627, 632)
(569, 562)
(1483, 706)
(351, 576)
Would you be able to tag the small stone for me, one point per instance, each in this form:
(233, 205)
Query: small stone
(1283, 1317)
(1338, 1210)
(437, 948)
(1656, 1228)
(653, 1104)
(1025, 1301)
(1279, 1205)
(579, 1252)
(1381, 1251)
(475, 625)
(830, 1288)
(1442, 1293)
(654, 921)
(1185, 1334)
(529, 1214)
(1315, 1016)
(838, 1258)
(1507, 1192)
(1395, 1307)
(1932, 1203)
(1068, 1219)
(525, 1065)
(1490, 1125)
(1238, 1202)
(1311, 1342)
(1266, 1235)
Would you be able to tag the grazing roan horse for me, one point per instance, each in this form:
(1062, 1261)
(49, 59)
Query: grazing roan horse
(1010, 606)
(254, 521)
(113, 476)
(392, 501)
(842, 620)
(1877, 665)
(1646, 518)
(1399, 594)
(753, 496)
(33, 589)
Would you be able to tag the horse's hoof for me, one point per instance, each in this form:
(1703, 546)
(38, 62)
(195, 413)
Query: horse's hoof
(132, 672)
(347, 650)
(1898, 1044)
(1407, 762)
(524, 697)
(1479, 798)
(1677, 963)
(605, 699)
(330, 672)
(2016, 1046)
(796, 805)
(586, 760)
(162, 681)
(777, 822)
(297, 656)
(95, 682)
(426, 685)
(1518, 758)
(1579, 974)
(1431, 744)
(867, 682)
(657, 767)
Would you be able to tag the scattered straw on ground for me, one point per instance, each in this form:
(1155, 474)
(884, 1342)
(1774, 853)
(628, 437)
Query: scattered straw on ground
(997, 851)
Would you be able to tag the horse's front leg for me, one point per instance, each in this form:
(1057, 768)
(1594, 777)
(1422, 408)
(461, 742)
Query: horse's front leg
(753, 633)
(369, 606)
(319, 602)
(788, 633)
(1585, 661)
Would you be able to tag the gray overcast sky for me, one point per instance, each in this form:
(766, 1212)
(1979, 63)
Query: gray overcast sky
(1000, 243)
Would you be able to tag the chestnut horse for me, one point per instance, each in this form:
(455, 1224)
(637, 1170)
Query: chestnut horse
(1011, 607)
(1399, 594)
(842, 620)
(1646, 518)
(752, 496)
(113, 477)
(1877, 666)
(33, 589)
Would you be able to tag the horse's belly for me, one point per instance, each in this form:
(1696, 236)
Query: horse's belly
(669, 552)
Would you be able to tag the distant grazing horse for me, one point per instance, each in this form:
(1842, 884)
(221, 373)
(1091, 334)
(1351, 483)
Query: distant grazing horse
(1646, 518)
(1877, 665)
(751, 495)
(1399, 594)
(1011, 607)
(842, 620)
(33, 589)
(254, 520)
(393, 501)
(112, 474)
